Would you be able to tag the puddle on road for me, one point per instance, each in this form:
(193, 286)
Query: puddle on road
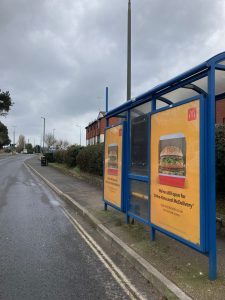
(54, 202)
(48, 196)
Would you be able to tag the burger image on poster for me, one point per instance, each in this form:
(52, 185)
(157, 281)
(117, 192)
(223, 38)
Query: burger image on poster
(172, 160)
(113, 159)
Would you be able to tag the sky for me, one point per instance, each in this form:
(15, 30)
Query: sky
(57, 57)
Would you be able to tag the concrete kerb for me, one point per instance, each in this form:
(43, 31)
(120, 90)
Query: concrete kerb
(163, 284)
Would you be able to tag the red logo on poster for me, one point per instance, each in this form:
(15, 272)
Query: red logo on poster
(120, 132)
(192, 114)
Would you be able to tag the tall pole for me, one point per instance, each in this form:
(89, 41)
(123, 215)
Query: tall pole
(129, 52)
(14, 136)
(80, 135)
(106, 99)
(53, 137)
(80, 132)
(43, 134)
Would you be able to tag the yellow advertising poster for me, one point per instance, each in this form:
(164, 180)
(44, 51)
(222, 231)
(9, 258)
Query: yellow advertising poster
(175, 170)
(113, 165)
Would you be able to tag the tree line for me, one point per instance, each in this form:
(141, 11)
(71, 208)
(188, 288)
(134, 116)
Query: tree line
(50, 143)
(5, 105)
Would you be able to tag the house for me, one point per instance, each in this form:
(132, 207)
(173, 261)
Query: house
(95, 129)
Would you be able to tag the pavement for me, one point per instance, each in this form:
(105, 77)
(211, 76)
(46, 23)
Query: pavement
(174, 269)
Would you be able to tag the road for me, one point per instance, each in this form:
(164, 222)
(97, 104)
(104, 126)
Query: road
(42, 256)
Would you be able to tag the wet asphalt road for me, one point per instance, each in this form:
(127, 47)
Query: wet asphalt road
(41, 254)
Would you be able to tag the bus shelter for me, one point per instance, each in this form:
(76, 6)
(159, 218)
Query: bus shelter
(159, 161)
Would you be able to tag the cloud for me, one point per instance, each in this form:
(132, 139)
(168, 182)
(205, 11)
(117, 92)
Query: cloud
(57, 57)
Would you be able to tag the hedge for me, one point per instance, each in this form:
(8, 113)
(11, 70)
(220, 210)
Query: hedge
(59, 156)
(220, 158)
(70, 155)
(90, 159)
(49, 156)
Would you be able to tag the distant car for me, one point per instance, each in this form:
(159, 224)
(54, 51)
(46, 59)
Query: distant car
(24, 151)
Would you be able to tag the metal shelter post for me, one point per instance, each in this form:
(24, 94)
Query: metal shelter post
(107, 121)
(127, 217)
(212, 175)
(152, 229)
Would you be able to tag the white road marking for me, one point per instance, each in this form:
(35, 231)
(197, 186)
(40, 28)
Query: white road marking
(119, 276)
(145, 265)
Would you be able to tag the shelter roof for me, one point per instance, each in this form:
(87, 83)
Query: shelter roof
(186, 85)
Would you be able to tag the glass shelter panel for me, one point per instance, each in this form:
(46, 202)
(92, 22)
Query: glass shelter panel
(220, 82)
(180, 93)
(222, 62)
(122, 115)
(138, 204)
(160, 104)
(139, 139)
(202, 83)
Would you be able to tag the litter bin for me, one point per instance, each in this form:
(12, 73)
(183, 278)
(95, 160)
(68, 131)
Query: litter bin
(44, 161)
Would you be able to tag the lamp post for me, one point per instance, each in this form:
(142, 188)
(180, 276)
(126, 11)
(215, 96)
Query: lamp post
(53, 134)
(43, 134)
(80, 132)
(14, 136)
(129, 52)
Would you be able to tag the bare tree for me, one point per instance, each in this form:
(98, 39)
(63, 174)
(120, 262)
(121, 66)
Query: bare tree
(62, 144)
(49, 140)
(65, 144)
(21, 143)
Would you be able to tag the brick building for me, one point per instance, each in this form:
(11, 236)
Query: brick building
(220, 112)
(95, 129)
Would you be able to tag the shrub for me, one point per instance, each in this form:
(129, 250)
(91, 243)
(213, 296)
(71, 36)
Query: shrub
(29, 148)
(220, 157)
(59, 156)
(90, 159)
(70, 155)
(49, 156)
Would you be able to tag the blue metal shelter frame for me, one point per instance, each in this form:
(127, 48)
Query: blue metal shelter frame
(206, 82)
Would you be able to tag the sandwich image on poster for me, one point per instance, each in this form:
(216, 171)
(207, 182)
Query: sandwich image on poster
(113, 159)
(172, 160)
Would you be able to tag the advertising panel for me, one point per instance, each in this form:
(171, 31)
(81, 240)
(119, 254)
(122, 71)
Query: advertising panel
(113, 165)
(175, 171)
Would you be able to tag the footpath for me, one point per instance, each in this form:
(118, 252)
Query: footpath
(174, 269)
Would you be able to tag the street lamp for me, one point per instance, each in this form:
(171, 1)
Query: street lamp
(43, 134)
(14, 137)
(80, 132)
(53, 131)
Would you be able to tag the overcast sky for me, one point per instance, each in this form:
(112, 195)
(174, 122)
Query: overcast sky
(57, 57)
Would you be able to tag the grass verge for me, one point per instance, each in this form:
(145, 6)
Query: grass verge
(77, 173)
